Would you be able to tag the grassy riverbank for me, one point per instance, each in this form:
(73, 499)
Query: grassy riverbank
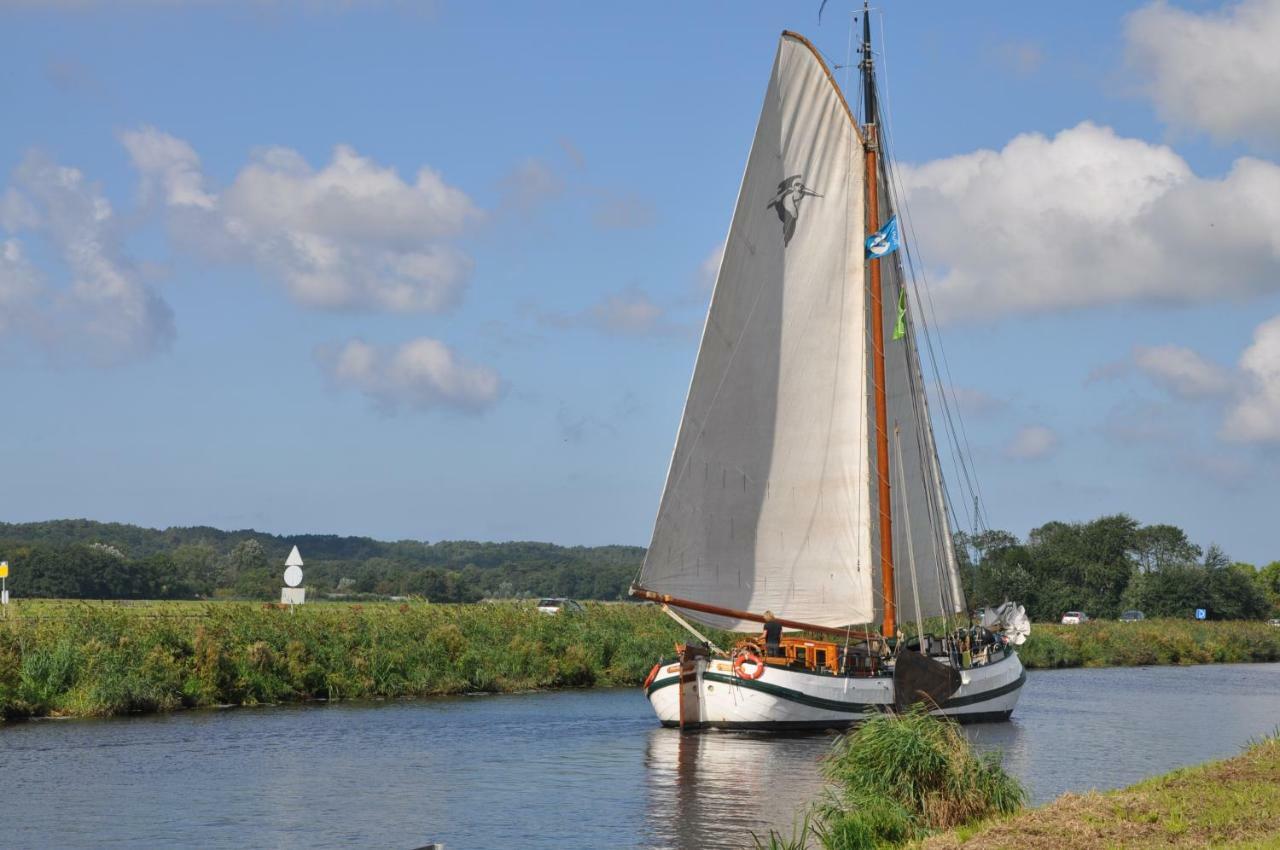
(1231, 803)
(1108, 643)
(75, 659)
(97, 659)
(914, 781)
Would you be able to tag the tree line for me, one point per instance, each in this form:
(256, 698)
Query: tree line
(82, 559)
(1101, 567)
(1111, 565)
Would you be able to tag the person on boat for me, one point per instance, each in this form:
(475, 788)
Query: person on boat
(772, 635)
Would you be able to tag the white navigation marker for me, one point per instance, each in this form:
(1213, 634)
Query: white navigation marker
(293, 595)
(293, 568)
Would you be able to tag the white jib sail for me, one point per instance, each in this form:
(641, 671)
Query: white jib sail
(767, 502)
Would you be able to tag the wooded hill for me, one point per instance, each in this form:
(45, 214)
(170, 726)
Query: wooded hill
(86, 559)
(1101, 567)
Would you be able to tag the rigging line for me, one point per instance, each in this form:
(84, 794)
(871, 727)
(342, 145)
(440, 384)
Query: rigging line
(886, 143)
(958, 437)
(940, 529)
(960, 442)
(944, 547)
(950, 404)
(699, 635)
(848, 52)
(947, 510)
(964, 479)
(920, 410)
(911, 552)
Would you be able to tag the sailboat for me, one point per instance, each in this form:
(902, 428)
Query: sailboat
(805, 487)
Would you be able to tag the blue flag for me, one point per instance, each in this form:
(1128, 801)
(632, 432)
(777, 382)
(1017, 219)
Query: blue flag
(884, 241)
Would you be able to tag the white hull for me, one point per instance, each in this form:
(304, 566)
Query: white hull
(784, 698)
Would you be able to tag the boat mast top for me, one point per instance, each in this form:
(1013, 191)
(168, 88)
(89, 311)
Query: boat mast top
(868, 72)
(876, 299)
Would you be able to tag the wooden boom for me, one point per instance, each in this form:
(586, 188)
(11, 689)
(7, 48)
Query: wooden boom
(653, 596)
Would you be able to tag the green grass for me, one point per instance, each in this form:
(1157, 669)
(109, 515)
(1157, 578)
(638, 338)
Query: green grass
(67, 658)
(1107, 643)
(1233, 803)
(77, 659)
(897, 778)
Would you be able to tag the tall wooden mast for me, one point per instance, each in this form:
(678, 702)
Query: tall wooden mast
(870, 123)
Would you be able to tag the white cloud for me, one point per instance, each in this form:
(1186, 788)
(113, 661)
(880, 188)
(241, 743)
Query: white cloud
(1217, 72)
(529, 184)
(573, 153)
(1255, 415)
(105, 313)
(624, 212)
(975, 402)
(20, 285)
(1089, 218)
(16, 212)
(1023, 58)
(631, 312)
(168, 165)
(1182, 371)
(1032, 442)
(352, 235)
(422, 374)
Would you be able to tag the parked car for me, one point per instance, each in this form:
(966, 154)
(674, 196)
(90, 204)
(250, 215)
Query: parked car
(1074, 618)
(558, 604)
(1275, 621)
(1132, 616)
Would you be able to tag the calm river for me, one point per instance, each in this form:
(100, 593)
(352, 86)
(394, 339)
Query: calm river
(584, 769)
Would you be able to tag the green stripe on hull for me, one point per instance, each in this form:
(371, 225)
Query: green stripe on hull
(837, 705)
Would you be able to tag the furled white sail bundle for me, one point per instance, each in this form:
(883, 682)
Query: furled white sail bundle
(918, 492)
(767, 504)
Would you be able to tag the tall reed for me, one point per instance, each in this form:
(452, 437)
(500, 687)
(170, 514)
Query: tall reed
(101, 660)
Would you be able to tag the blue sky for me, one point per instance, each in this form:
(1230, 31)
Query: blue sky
(486, 329)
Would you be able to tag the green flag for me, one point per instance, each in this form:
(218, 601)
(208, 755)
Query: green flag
(900, 326)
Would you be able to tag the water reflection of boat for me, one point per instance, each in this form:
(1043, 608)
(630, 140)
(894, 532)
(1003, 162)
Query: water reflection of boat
(788, 487)
(697, 781)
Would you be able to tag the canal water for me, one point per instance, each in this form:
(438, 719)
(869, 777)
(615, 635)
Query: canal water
(581, 769)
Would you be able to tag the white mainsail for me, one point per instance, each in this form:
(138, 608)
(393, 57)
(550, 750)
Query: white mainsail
(767, 504)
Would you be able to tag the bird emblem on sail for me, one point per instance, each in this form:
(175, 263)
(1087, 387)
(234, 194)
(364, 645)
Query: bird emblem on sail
(787, 204)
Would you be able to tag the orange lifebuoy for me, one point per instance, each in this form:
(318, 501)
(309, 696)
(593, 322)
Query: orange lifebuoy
(747, 656)
(652, 675)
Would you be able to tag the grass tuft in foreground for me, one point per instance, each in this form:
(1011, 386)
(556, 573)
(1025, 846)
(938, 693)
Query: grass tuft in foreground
(901, 777)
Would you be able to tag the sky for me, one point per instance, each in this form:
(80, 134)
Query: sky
(437, 270)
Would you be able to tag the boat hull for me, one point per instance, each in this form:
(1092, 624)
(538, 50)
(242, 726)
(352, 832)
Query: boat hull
(712, 696)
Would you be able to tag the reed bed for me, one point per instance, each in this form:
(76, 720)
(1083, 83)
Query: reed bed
(98, 660)
(72, 658)
(1108, 643)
